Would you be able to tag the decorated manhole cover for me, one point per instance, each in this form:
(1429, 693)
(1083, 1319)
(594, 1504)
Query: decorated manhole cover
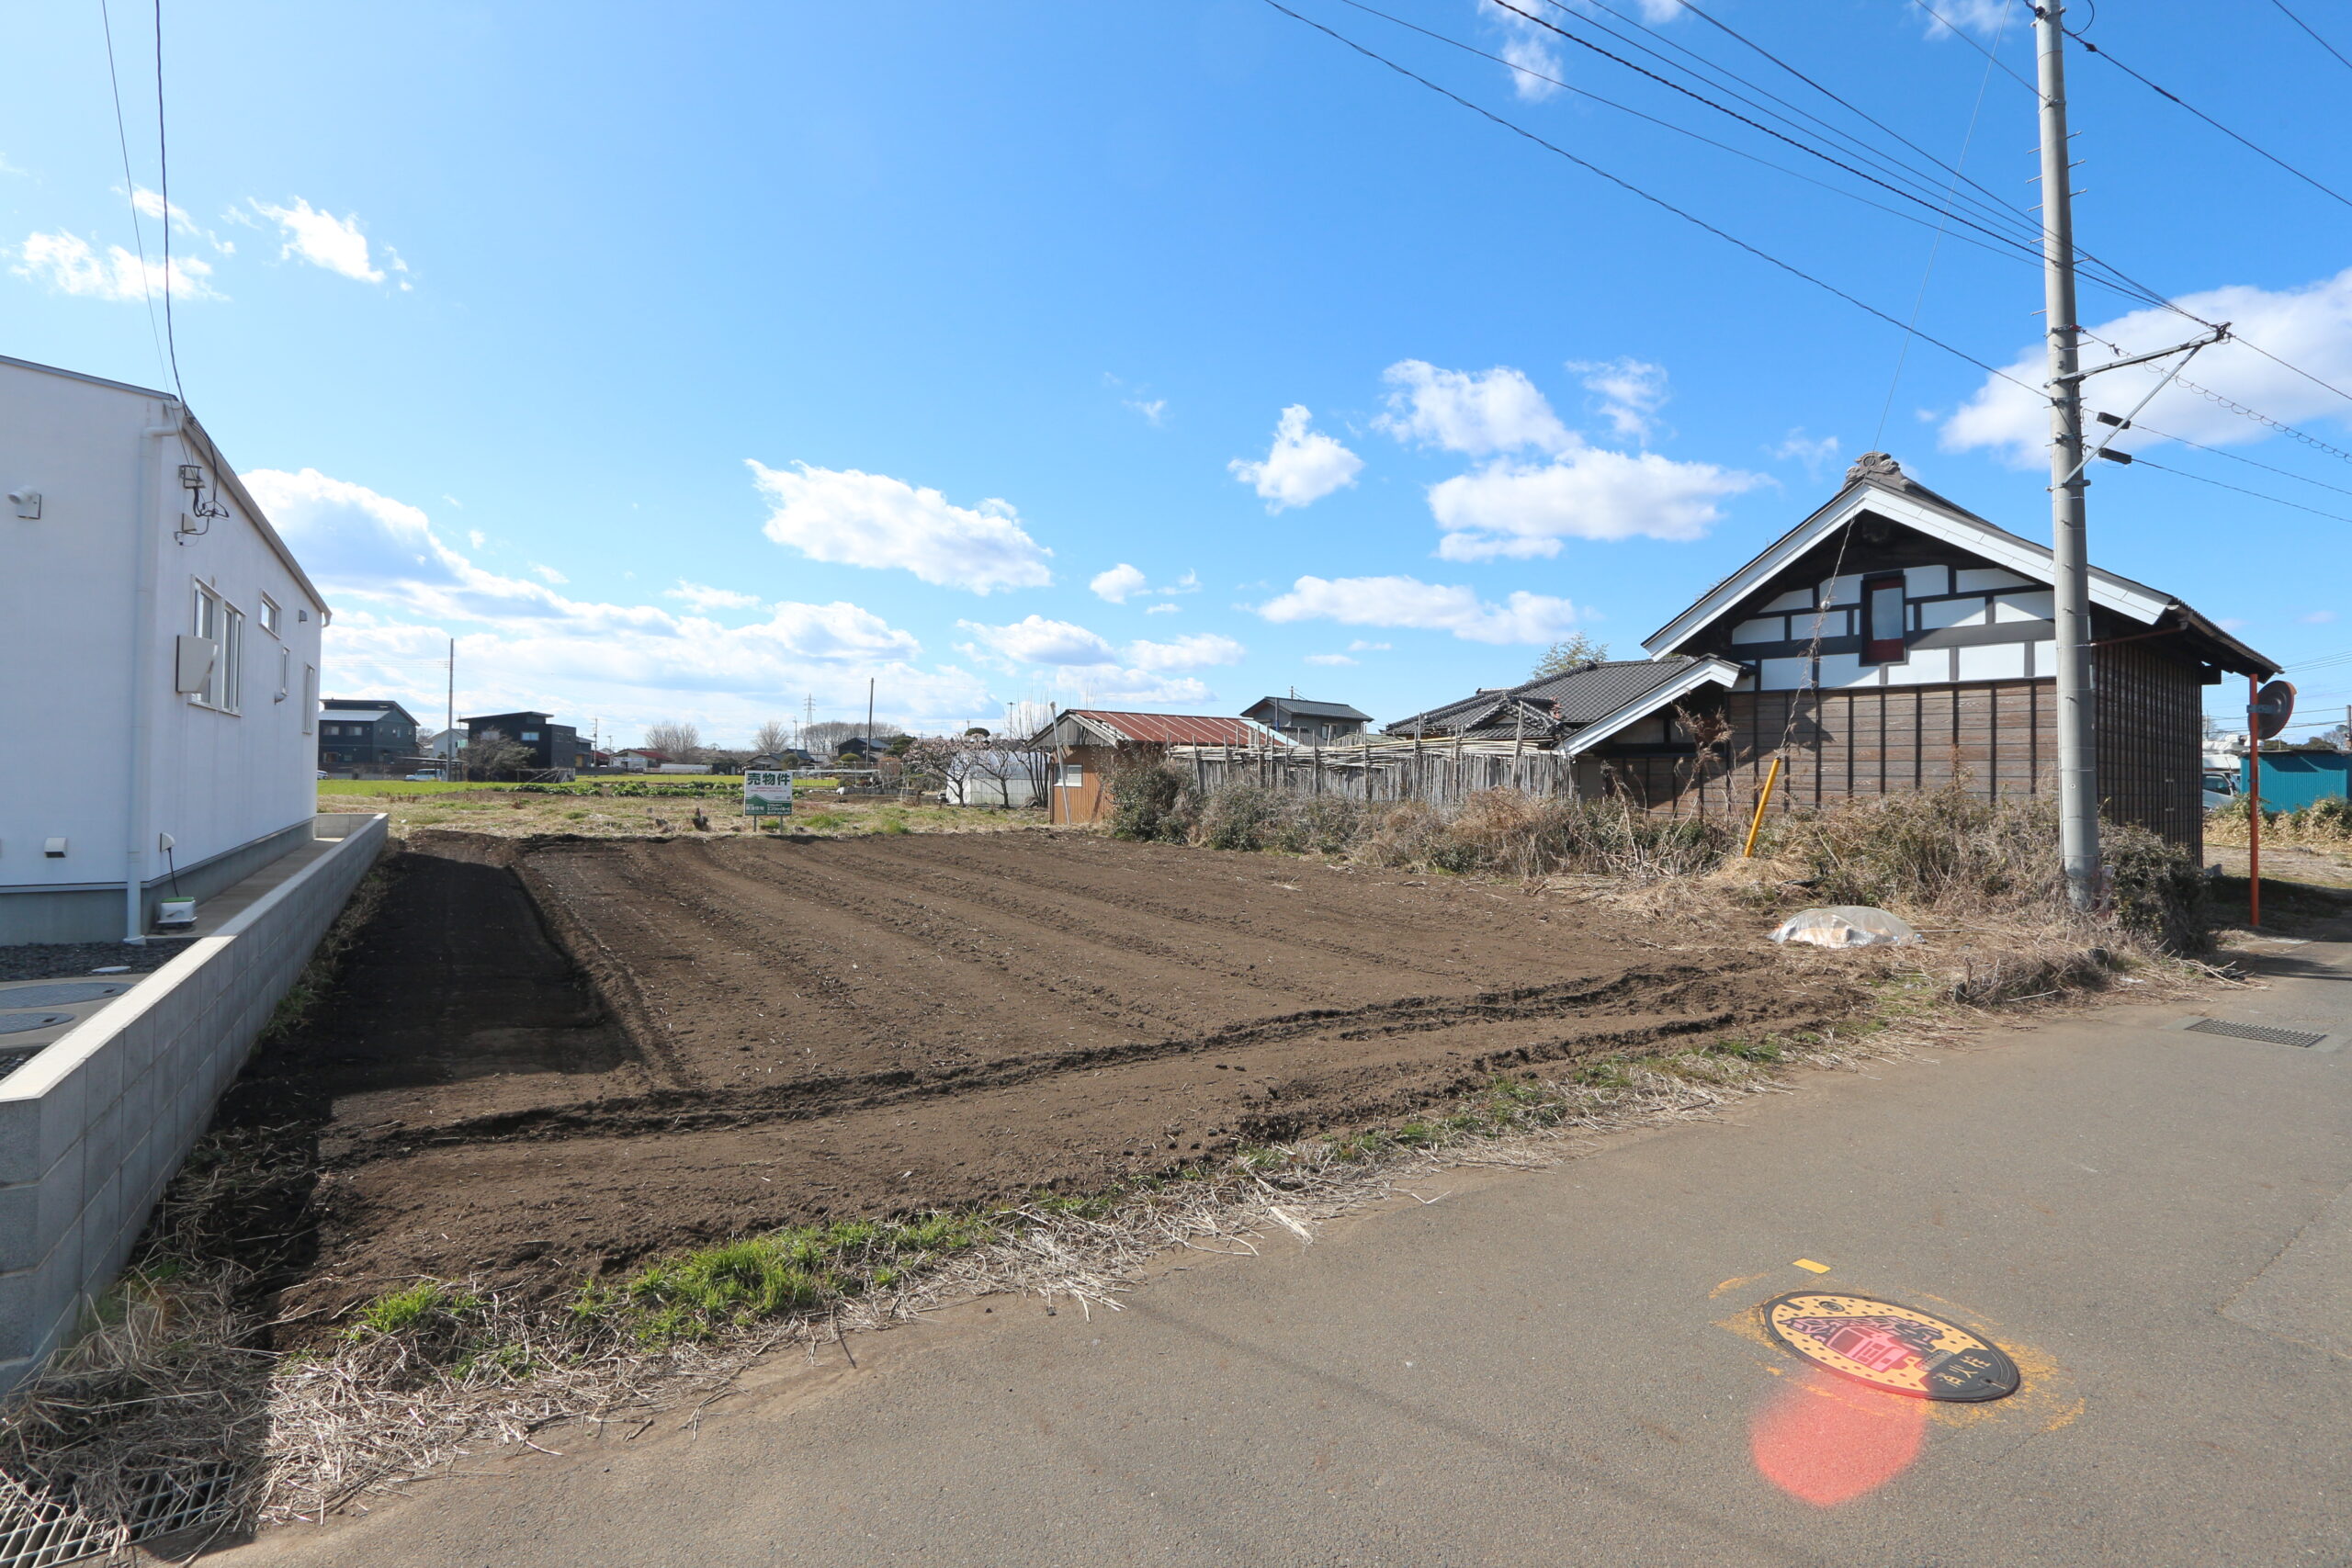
(1898, 1349)
(18, 1023)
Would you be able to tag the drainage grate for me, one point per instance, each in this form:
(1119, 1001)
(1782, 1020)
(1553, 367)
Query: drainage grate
(63, 994)
(18, 1023)
(2261, 1032)
(11, 1060)
(40, 1528)
(171, 1500)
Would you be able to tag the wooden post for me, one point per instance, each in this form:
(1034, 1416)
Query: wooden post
(1763, 798)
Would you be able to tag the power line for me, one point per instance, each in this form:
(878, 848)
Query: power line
(2314, 32)
(1956, 31)
(2306, 436)
(2200, 479)
(2009, 253)
(1903, 351)
(1759, 125)
(2200, 114)
(164, 171)
(1633, 189)
(130, 187)
(2233, 457)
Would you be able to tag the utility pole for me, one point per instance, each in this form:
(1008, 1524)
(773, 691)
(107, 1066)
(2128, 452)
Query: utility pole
(869, 717)
(449, 717)
(2077, 737)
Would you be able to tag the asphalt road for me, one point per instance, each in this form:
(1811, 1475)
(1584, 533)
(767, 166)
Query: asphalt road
(1562, 1367)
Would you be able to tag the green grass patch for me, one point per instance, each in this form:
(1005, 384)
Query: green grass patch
(402, 786)
(427, 1303)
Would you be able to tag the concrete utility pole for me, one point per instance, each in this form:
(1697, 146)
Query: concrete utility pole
(2077, 732)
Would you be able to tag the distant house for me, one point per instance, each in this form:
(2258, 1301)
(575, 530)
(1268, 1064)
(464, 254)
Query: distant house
(791, 757)
(444, 744)
(553, 747)
(1086, 743)
(1305, 722)
(1890, 641)
(366, 735)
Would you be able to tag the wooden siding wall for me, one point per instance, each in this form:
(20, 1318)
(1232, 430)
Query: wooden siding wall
(1996, 738)
(2151, 742)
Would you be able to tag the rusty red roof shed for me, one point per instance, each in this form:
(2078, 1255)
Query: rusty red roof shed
(1105, 727)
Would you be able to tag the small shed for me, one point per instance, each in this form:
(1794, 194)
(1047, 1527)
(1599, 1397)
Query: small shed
(1085, 744)
(2299, 778)
(1305, 722)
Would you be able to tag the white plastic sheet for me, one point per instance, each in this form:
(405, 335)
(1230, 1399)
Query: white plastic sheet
(1847, 925)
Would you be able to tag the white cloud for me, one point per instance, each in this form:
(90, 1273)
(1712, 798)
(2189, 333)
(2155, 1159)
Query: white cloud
(1360, 646)
(1192, 652)
(1631, 393)
(401, 591)
(702, 599)
(1423, 606)
(2319, 617)
(1163, 610)
(1521, 510)
(1473, 412)
(1987, 16)
(1034, 640)
(323, 240)
(151, 204)
(1118, 583)
(1303, 466)
(548, 573)
(8, 169)
(1154, 409)
(68, 264)
(476, 536)
(1814, 455)
(1330, 658)
(872, 520)
(2310, 326)
(1528, 46)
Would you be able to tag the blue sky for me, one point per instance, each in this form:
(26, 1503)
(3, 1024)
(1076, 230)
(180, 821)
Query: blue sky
(689, 369)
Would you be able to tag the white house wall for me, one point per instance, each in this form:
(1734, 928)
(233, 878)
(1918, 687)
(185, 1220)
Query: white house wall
(217, 782)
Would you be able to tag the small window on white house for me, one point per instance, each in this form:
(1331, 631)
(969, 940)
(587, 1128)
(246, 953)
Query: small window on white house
(223, 624)
(270, 615)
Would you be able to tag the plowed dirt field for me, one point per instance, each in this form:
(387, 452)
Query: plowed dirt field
(550, 1057)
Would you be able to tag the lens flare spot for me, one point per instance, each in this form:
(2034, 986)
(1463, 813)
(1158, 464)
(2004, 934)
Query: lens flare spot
(1825, 1440)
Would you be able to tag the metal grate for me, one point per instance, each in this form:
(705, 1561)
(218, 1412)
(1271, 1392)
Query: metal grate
(168, 1501)
(39, 1530)
(61, 994)
(2261, 1032)
(18, 1023)
(11, 1060)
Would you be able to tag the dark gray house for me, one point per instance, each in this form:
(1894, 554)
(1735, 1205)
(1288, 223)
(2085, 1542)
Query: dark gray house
(366, 735)
(1307, 722)
(552, 746)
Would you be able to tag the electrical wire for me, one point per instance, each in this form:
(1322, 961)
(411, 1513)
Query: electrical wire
(131, 189)
(2233, 457)
(1633, 189)
(2006, 252)
(2183, 473)
(2314, 32)
(2306, 436)
(164, 171)
(1956, 31)
(1902, 350)
(2200, 114)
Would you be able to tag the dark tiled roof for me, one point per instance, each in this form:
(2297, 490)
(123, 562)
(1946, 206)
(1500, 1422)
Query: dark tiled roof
(1309, 708)
(1550, 704)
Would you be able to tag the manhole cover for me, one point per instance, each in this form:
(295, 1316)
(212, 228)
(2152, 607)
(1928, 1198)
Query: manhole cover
(2261, 1032)
(18, 1023)
(62, 993)
(1898, 1349)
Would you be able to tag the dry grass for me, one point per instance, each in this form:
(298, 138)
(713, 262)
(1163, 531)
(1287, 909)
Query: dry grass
(506, 813)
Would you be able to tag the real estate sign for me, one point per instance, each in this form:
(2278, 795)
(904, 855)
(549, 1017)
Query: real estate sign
(767, 794)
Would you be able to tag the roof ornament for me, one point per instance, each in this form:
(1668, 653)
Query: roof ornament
(1874, 466)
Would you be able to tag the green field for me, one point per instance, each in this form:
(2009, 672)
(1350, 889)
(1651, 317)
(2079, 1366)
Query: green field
(397, 787)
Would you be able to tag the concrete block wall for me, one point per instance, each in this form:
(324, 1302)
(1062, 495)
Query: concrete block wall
(93, 1129)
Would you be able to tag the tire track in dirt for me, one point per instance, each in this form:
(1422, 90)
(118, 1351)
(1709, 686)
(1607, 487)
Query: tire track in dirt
(885, 1026)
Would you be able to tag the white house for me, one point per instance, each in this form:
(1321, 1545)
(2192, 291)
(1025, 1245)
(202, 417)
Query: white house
(159, 662)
